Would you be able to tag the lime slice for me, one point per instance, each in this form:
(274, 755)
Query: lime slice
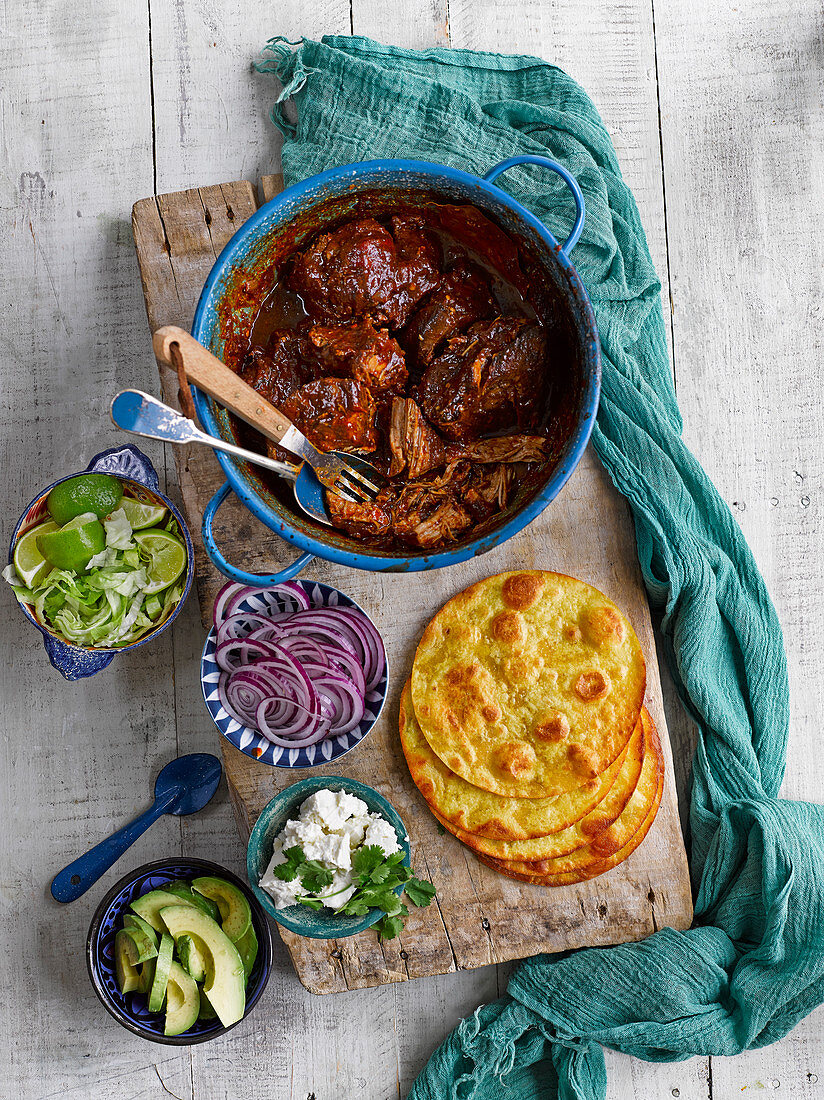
(30, 564)
(97, 493)
(75, 544)
(142, 515)
(167, 556)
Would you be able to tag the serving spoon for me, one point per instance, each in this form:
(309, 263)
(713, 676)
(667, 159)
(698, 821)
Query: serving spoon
(184, 786)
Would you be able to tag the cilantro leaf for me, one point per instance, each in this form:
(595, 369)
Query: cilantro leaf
(380, 874)
(314, 876)
(379, 879)
(287, 871)
(388, 927)
(440, 828)
(311, 903)
(386, 900)
(365, 860)
(419, 891)
(356, 907)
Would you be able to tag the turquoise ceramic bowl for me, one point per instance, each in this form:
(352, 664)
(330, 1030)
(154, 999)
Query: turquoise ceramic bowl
(324, 925)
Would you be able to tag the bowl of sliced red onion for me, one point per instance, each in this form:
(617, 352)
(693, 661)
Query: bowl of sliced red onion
(293, 675)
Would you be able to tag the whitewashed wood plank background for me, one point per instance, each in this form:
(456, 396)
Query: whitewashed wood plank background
(716, 112)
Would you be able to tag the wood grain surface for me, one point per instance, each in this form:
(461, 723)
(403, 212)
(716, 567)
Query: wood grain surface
(715, 110)
(480, 917)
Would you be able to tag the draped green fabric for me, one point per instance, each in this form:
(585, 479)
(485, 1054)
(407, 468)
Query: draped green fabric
(753, 964)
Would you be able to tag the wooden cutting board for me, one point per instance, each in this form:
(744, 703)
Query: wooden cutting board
(480, 917)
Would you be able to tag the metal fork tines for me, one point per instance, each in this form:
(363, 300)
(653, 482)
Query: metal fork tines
(336, 471)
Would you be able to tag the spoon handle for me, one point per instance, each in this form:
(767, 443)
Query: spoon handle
(73, 881)
(140, 413)
(206, 371)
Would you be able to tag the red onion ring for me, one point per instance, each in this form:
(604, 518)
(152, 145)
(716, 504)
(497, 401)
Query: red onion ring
(242, 646)
(309, 738)
(296, 676)
(241, 626)
(224, 595)
(290, 589)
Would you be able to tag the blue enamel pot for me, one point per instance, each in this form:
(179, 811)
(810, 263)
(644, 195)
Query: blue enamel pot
(139, 478)
(247, 269)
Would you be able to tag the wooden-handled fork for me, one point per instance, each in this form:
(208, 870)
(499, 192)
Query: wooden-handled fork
(204, 370)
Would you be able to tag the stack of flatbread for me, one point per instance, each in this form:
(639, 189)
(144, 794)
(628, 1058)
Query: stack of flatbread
(524, 728)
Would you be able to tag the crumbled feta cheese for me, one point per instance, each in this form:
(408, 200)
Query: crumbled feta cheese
(301, 833)
(332, 808)
(330, 826)
(355, 830)
(380, 832)
(340, 891)
(282, 893)
(331, 848)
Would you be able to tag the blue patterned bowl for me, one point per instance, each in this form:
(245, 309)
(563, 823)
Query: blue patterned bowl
(140, 481)
(130, 1009)
(323, 925)
(252, 743)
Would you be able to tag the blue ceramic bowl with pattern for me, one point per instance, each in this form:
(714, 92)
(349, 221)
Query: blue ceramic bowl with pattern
(325, 924)
(130, 1009)
(139, 479)
(250, 741)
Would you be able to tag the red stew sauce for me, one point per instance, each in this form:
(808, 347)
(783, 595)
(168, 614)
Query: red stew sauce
(410, 341)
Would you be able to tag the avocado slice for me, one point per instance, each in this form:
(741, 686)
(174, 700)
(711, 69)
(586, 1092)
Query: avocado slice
(147, 973)
(224, 985)
(149, 905)
(182, 1001)
(132, 920)
(247, 948)
(145, 948)
(184, 890)
(192, 958)
(163, 964)
(235, 914)
(206, 1010)
(125, 962)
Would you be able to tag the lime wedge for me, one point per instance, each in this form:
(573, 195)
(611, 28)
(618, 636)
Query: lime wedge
(142, 515)
(74, 545)
(167, 556)
(30, 564)
(79, 521)
(96, 493)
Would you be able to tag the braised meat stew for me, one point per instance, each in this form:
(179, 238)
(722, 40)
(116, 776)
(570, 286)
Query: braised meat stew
(413, 341)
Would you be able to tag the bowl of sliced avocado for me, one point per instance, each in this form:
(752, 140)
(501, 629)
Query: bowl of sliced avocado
(179, 951)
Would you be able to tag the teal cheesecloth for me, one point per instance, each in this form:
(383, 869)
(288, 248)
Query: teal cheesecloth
(753, 964)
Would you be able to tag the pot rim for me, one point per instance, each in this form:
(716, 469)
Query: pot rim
(577, 442)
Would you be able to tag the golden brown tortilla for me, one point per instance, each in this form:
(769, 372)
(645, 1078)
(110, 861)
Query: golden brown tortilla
(528, 684)
(461, 806)
(582, 834)
(608, 848)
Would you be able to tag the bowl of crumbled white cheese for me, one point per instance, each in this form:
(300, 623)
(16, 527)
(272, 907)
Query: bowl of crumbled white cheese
(311, 847)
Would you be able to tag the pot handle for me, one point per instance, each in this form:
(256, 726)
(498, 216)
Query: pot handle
(567, 177)
(232, 571)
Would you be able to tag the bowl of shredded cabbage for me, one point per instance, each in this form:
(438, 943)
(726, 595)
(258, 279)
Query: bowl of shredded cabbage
(100, 562)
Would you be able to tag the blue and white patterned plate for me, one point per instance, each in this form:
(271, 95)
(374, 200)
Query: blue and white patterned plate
(252, 743)
(130, 1009)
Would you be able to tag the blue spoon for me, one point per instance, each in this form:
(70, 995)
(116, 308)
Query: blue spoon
(183, 787)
